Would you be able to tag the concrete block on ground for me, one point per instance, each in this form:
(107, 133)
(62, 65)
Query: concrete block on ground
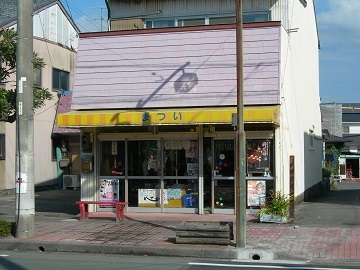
(204, 232)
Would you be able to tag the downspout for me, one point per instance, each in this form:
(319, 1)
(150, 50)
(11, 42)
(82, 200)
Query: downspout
(59, 170)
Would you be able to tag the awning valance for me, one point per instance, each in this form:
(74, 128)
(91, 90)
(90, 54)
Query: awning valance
(175, 116)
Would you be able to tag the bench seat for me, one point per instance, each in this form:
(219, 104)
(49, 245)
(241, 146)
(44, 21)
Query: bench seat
(84, 208)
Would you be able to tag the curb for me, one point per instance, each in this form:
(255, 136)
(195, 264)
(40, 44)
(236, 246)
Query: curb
(198, 252)
(230, 253)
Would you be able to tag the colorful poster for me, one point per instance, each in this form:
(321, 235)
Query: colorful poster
(109, 189)
(256, 193)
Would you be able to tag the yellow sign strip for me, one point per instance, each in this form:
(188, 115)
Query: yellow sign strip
(267, 114)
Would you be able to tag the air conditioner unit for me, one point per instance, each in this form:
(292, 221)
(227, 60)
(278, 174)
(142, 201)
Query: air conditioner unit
(71, 181)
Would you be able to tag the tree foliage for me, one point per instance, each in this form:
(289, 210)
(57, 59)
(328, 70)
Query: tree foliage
(8, 44)
(332, 156)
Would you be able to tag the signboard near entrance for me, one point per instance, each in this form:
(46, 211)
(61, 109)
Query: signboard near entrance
(151, 197)
(256, 192)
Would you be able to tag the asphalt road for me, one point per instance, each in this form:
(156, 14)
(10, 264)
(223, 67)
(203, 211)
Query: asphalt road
(16, 260)
(338, 208)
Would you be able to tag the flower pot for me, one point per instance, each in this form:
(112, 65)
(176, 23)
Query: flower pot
(273, 218)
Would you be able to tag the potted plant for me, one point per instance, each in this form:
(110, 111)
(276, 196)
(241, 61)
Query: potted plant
(276, 208)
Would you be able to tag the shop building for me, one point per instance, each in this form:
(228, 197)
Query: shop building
(156, 111)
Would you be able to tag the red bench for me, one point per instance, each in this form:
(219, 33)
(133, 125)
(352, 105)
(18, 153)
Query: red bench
(84, 212)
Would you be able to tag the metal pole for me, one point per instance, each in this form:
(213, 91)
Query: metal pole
(240, 136)
(101, 17)
(25, 202)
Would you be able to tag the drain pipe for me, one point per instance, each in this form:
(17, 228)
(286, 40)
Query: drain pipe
(59, 171)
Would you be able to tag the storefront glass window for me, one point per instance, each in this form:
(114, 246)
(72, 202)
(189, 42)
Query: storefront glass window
(181, 158)
(181, 193)
(144, 158)
(258, 157)
(145, 193)
(259, 154)
(180, 167)
(113, 158)
(144, 161)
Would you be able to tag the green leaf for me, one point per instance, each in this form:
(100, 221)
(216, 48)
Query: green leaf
(8, 43)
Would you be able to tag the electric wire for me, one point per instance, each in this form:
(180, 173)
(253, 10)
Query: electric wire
(46, 109)
(84, 16)
(71, 17)
(46, 38)
(67, 3)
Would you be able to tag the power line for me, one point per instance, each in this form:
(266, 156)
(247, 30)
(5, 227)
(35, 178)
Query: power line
(82, 15)
(69, 10)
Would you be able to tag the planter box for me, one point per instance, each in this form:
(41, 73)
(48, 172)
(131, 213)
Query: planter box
(208, 232)
(273, 219)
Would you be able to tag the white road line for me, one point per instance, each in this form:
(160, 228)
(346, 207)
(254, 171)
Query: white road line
(3, 255)
(267, 266)
(239, 265)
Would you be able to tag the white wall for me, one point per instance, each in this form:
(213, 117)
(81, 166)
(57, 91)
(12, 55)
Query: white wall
(300, 101)
(53, 25)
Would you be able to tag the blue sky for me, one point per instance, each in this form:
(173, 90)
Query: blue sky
(339, 33)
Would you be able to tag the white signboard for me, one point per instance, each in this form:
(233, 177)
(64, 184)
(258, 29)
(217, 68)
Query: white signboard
(151, 196)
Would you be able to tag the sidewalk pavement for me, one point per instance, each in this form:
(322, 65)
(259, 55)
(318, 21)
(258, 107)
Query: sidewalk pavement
(324, 231)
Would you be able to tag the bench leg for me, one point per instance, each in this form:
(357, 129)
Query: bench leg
(83, 212)
(119, 213)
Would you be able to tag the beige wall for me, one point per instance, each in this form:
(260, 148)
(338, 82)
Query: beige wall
(45, 173)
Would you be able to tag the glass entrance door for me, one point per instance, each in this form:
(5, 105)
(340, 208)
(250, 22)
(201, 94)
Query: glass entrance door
(219, 167)
(223, 176)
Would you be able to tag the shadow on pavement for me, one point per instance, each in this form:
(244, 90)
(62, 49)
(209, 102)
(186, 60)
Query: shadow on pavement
(57, 201)
(337, 208)
(347, 193)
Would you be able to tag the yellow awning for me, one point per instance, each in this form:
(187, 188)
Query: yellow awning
(183, 116)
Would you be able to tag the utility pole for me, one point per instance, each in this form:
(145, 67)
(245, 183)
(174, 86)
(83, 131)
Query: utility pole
(25, 198)
(240, 136)
(101, 16)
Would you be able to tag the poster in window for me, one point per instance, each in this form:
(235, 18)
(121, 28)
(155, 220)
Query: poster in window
(256, 193)
(192, 169)
(109, 190)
